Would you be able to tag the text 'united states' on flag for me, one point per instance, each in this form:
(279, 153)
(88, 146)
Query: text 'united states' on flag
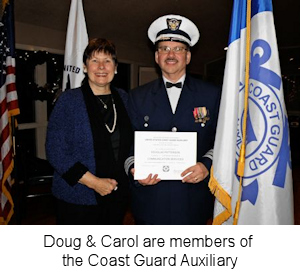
(258, 123)
(76, 42)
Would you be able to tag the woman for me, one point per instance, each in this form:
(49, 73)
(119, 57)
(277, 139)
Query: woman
(88, 139)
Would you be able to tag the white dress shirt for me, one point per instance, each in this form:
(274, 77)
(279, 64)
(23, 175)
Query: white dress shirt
(174, 93)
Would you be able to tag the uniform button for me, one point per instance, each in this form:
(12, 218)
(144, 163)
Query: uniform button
(174, 129)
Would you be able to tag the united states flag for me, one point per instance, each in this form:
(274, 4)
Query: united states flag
(8, 108)
(76, 42)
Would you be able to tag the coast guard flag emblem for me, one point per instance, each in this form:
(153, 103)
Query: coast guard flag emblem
(259, 124)
(76, 42)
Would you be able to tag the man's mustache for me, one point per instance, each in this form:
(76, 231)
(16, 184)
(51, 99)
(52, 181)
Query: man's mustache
(171, 59)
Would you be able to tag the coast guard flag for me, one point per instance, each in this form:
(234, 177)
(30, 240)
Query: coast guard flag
(76, 42)
(267, 192)
(8, 107)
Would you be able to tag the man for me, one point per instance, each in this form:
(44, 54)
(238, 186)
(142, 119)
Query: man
(189, 105)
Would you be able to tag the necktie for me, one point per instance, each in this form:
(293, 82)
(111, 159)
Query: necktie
(169, 84)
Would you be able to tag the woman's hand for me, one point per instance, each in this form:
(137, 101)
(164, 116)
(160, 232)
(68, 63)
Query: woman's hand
(103, 186)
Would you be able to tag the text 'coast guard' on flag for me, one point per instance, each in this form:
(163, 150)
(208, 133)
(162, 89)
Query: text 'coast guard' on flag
(76, 42)
(267, 192)
(8, 108)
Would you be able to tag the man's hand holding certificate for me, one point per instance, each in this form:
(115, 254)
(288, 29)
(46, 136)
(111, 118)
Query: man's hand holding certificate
(166, 154)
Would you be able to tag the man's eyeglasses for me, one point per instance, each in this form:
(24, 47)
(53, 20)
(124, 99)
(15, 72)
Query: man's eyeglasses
(167, 49)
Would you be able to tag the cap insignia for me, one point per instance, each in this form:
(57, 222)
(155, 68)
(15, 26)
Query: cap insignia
(173, 24)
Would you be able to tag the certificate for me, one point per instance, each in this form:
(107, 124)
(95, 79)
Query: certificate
(167, 154)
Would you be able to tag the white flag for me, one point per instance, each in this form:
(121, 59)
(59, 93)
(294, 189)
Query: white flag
(76, 42)
(267, 191)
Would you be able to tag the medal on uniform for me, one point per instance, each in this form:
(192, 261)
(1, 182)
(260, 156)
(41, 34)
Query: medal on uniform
(201, 115)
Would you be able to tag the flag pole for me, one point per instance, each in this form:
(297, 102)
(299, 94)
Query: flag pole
(241, 162)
